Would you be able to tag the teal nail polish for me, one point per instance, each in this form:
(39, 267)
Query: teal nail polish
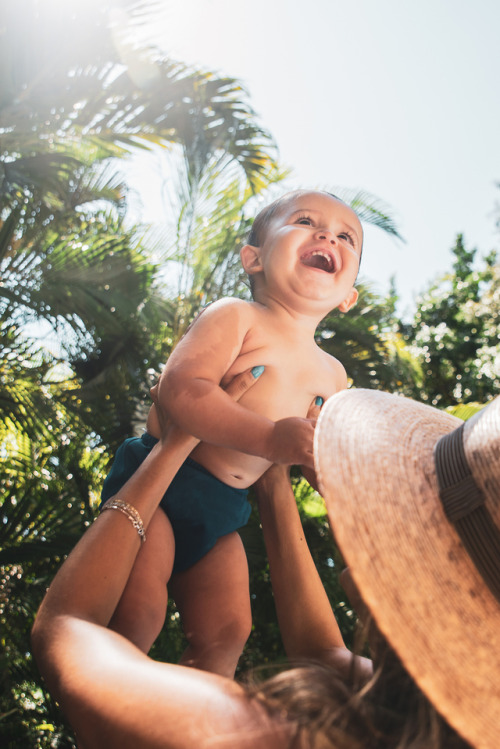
(257, 371)
(319, 401)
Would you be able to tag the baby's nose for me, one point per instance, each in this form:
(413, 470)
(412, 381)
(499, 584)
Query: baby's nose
(326, 234)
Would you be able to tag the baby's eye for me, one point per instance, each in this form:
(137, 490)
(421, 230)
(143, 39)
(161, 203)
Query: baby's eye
(305, 220)
(347, 237)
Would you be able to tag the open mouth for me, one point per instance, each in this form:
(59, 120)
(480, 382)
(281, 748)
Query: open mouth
(319, 259)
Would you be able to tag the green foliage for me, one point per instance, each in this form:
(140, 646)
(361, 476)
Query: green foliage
(456, 332)
(465, 411)
(365, 341)
(47, 490)
(76, 90)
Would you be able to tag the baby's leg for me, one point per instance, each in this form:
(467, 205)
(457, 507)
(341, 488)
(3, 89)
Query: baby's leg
(141, 611)
(214, 603)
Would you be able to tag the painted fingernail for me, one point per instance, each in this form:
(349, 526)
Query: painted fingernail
(257, 371)
(318, 401)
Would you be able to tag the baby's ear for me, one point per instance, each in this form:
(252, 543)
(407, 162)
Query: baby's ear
(349, 301)
(250, 259)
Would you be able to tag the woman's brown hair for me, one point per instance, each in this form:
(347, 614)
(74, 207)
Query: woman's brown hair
(330, 712)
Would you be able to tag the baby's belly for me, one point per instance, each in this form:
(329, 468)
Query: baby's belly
(230, 466)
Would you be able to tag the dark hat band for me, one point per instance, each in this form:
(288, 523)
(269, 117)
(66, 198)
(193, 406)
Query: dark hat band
(464, 506)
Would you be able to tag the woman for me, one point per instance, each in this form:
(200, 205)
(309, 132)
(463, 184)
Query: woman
(374, 455)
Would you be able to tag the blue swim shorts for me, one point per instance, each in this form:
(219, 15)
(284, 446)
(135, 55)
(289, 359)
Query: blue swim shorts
(200, 507)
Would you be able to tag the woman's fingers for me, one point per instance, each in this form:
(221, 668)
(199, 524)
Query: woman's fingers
(243, 382)
(315, 408)
(238, 385)
(313, 413)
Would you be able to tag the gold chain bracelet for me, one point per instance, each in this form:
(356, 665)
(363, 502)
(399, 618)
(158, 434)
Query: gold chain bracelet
(129, 511)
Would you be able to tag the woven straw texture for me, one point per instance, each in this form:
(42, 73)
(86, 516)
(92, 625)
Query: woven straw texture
(374, 461)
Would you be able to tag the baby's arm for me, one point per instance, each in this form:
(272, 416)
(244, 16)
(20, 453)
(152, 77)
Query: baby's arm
(189, 390)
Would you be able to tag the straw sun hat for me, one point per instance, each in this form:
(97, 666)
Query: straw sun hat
(430, 579)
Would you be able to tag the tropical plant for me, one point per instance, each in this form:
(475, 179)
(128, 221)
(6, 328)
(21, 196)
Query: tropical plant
(77, 93)
(47, 488)
(368, 344)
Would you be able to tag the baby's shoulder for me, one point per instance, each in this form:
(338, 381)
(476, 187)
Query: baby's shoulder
(228, 317)
(228, 305)
(227, 310)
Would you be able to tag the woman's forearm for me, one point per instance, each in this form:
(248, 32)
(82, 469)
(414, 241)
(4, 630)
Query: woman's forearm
(92, 579)
(307, 623)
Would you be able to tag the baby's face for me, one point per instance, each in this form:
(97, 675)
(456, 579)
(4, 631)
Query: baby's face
(312, 248)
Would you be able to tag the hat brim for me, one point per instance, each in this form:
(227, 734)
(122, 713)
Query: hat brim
(375, 467)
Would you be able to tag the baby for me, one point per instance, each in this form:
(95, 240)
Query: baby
(302, 259)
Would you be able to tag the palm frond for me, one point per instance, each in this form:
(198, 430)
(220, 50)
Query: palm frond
(370, 209)
(24, 401)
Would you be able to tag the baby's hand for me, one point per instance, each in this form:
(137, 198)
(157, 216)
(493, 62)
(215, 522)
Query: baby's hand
(291, 442)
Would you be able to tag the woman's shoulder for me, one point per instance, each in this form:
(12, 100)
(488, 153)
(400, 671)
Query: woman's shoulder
(125, 699)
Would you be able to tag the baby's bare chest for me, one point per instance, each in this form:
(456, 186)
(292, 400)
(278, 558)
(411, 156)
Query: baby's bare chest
(293, 375)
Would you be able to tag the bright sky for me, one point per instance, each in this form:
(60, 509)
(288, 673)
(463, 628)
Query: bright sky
(397, 97)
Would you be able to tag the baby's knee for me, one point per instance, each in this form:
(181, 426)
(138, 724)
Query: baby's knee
(230, 633)
(140, 618)
(236, 630)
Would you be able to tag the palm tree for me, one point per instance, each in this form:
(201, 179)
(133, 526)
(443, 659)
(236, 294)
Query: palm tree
(72, 267)
(74, 88)
(67, 108)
